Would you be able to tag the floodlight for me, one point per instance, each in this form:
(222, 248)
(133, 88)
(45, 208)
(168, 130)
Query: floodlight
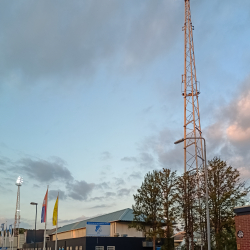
(19, 181)
(179, 141)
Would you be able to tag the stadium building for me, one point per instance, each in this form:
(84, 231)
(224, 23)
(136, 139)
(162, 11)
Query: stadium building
(119, 226)
(75, 236)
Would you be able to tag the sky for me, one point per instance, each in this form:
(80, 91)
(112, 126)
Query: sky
(90, 98)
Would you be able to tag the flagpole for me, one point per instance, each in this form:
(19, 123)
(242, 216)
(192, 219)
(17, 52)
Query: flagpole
(12, 239)
(9, 237)
(2, 234)
(6, 235)
(57, 221)
(44, 237)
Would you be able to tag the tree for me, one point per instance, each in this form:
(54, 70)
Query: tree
(148, 207)
(226, 191)
(168, 189)
(188, 206)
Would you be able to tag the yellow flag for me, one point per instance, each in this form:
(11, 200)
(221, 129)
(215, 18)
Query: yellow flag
(55, 212)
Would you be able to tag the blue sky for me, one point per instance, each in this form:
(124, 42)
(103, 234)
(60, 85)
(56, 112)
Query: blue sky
(90, 97)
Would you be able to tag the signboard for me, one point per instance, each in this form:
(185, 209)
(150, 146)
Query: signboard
(98, 229)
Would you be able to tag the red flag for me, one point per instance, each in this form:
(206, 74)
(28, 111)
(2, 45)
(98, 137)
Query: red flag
(44, 208)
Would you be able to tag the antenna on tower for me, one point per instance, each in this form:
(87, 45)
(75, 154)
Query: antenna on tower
(19, 182)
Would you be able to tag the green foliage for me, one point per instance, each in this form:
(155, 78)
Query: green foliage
(148, 207)
(167, 182)
(226, 191)
(188, 204)
(22, 230)
(168, 244)
(154, 205)
(165, 198)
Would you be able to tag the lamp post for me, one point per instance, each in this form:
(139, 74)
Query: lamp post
(206, 177)
(34, 203)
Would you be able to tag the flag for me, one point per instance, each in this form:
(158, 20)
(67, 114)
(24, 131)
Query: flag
(10, 230)
(44, 208)
(55, 212)
(2, 230)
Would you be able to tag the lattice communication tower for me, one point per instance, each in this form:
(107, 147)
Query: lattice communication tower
(19, 182)
(193, 153)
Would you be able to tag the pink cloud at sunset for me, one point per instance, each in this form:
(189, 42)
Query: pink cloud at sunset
(239, 131)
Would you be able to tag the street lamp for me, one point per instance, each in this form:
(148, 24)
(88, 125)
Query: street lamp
(206, 177)
(34, 203)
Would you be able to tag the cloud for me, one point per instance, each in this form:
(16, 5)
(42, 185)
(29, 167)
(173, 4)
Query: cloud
(36, 44)
(106, 156)
(103, 185)
(123, 192)
(119, 181)
(54, 193)
(153, 25)
(135, 175)
(62, 222)
(146, 160)
(102, 206)
(4, 189)
(45, 171)
(133, 159)
(80, 190)
(106, 196)
(158, 150)
(147, 110)
(109, 194)
(25, 225)
(228, 137)
(239, 119)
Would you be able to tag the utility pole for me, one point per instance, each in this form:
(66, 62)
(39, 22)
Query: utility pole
(193, 148)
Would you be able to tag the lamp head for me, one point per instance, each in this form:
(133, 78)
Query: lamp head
(179, 141)
(19, 181)
(33, 203)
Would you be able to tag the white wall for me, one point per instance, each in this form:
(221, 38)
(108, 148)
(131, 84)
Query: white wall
(21, 240)
(70, 234)
(123, 228)
(115, 227)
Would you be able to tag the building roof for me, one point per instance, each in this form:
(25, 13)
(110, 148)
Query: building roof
(179, 236)
(244, 210)
(51, 231)
(121, 215)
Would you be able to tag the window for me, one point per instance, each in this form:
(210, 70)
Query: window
(67, 248)
(80, 247)
(110, 247)
(70, 248)
(76, 248)
(99, 247)
(59, 248)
